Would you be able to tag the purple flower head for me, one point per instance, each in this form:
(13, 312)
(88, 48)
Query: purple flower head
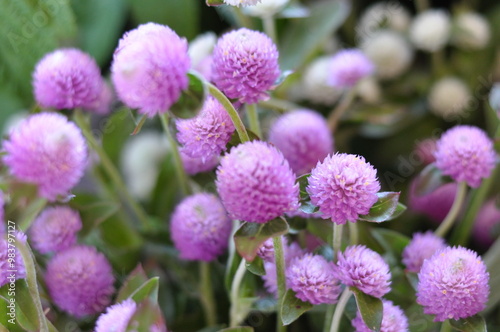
(364, 269)
(425, 150)
(453, 284)
(266, 250)
(421, 247)
(67, 78)
(303, 137)
(2, 212)
(49, 151)
(5, 254)
(117, 317)
(347, 67)
(487, 225)
(256, 184)
(206, 134)
(102, 104)
(200, 227)
(393, 319)
(245, 65)
(343, 186)
(434, 205)
(466, 154)
(149, 69)
(194, 166)
(80, 281)
(55, 229)
(312, 278)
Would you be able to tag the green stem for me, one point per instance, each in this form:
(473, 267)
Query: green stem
(31, 212)
(253, 119)
(353, 233)
(446, 326)
(207, 295)
(339, 310)
(233, 113)
(279, 257)
(234, 318)
(330, 310)
(343, 105)
(454, 211)
(337, 239)
(270, 27)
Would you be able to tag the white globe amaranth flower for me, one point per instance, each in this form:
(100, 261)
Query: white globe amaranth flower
(390, 14)
(242, 3)
(368, 89)
(449, 97)
(390, 52)
(314, 85)
(266, 8)
(471, 31)
(430, 31)
(201, 47)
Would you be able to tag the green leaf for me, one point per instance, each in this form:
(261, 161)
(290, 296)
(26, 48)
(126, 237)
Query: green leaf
(146, 315)
(115, 131)
(147, 290)
(135, 279)
(116, 235)
(386, 208)
(214, 2)
(238, 329)
(250, 236)
(296, 225)
(292, 307)
(390, 240)
(191, 99)
(256, 266)
(429, 180)
(321, 228)
(474, 323)
(303, 182)
(308, 207)
(93, 210)
(371, 309)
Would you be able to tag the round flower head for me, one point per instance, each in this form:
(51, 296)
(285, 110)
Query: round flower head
(364, 269)
(102, 104)
(16, 264)
(150, 68)
(242, 3)
(393, 319)
(421, 247)
(434, 205)
(425, 149)
(347, 67)
(67, 78)
(466, 154)
(117, 317)
(256, 183)
(80, 281)
(312, 278)
(194, 166)
(430, 30)
(390, 15)
(453, 284)
(303, 137)
(200, 227)
(206, 134)
(449, 98)
(368, 89)
(55, 229)
(314, 85)
(487, 225)
(49, 151)
(266, 250)
(472, 31)
(245, 65)
(343, 186)
(2, 212)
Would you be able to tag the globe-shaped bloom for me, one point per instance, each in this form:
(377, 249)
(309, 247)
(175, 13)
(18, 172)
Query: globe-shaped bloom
(343, 186)
(364, 269)
(245, 65)
(80, 281)
(193, 166)
(349, 66)
(149, 69)
(256, 183)
(117, 317)
(393, 319)
(9, 263)
(49, 151)
(487, 225)
(2, 212)
(55, 229)
(449, 98)
(200, 227)
(453, 284)
(421, 247)
(303, 137)
(430, 30)
(67, 78)
(435, 204)
(465, 153)
(208, 133)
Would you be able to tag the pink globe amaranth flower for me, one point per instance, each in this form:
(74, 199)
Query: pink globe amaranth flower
(48, 150)
(421, 247)
(193, 166)
(80, 281)
(67, 78)
(245, 65)
(312, 278)
(425, 150)
(487, 225)
(256, 184)
(466, 154)
(55, 229)
(434, 205)
(303, 137)
(453, 284)
(149, 69)
(102, 104)
(2, 214)
(343, 186)
(200, 227)
(208, 133)
(393, 320)
(364, 269)
(117, 317)
(349, 66)
(11, 260)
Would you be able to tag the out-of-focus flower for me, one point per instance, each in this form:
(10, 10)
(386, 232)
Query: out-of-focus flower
(393, 319)
(266, 8)
(487, 225)
(347, 67)
(368, 89)
(421, 247)
(241, 3)
(117, 317)
(471, 31)
(430, 30)
(200, 52)
(314, 84)
(194, 166)
(449, 97)
(17, 264)
(425, 150)
(102, 104)
(435, 204)
(382, 15)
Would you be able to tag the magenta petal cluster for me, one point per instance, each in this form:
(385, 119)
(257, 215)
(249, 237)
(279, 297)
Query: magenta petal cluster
(421, 247)
(193, 166)
(49, 151)
(6, 253)
(200, 227)
(312, 278)
(343, 186)
(303, 137)
(67, 78)
(2, 214)
(393, 320)
(55, 229)
(256, 183)
(117, 317)
(364, 269)
(80, 281)
(487, 225)
(207, 134)
(245, 65)
(466, 154)
(349, 66)
(434, 205)
(453, 284)
(149, 69)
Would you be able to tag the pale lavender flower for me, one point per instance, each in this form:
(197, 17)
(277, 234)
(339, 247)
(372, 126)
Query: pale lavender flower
(117, 317)
(487, 225)
(393, 320)
(349, 66)
(421, 247)
(435, 204)
(194, 166)
(11, 262)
